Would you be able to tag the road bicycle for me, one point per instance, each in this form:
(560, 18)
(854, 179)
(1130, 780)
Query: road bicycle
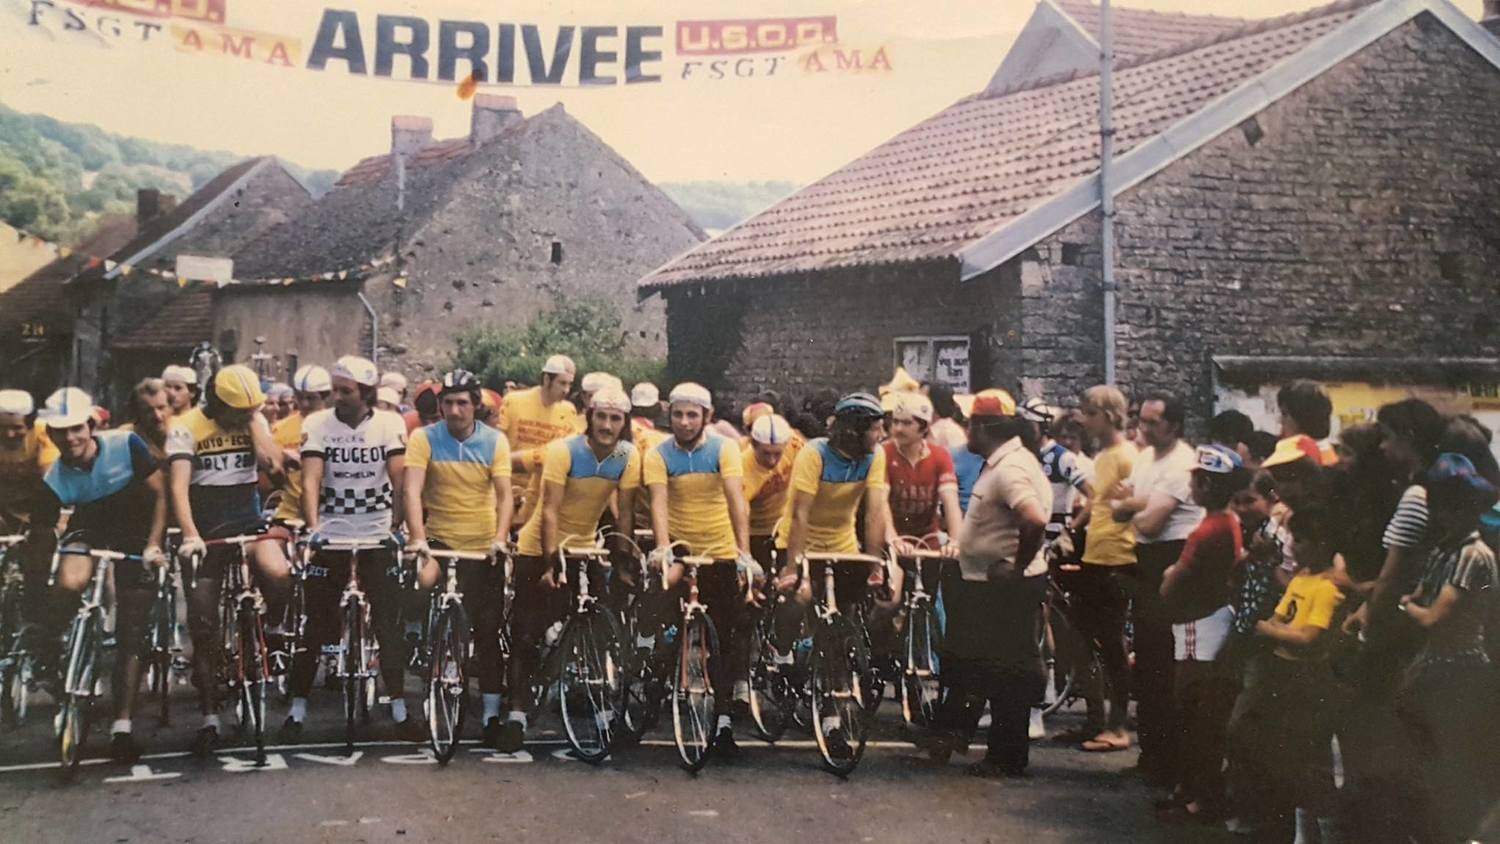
(1071, 664)
(690, 688)
(919, 643)
(245, 661)
(590, 661)
(292, 629)
(82, 682)
(448, 652)
(17, 663)
(163, 635)
(840, 668)
(357, 660)
(644, 645)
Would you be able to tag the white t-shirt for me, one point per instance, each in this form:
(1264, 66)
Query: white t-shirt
(1201, 640)
(355, 498)
(1172, 475)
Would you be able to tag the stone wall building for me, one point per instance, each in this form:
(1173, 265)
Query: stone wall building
(484, 230)
(1310, 196)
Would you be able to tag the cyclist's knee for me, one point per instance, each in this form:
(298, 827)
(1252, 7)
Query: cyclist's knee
(73, 573)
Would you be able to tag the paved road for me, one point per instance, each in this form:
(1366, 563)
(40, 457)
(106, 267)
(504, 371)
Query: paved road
(388, 791)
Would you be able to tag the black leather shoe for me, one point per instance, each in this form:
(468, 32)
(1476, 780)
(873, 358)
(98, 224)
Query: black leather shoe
(205, 741)
(511, 737)
(124, 749)
(724, 745)
(290, 732)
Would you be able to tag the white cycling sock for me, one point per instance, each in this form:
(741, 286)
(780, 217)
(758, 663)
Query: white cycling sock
(724, 723)
(299, 709)
(491, 706)
(398, 709)
(211, 721)
(121, 725)
(831, 723)
(742, 691)
(518, 717)
(784, 658)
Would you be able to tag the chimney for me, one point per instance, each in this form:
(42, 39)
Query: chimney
(147, 205)
(1490, 17)
(492, 114)
(409, 134)
(166, 203)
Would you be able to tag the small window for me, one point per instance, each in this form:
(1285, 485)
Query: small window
(1072, 254)
(557, 252)
(1253, 131)
(1451, 266)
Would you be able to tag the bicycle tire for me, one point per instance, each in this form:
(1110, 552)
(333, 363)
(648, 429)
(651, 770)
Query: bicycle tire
(17, 689)
(692, 691)
(590, 684)
(643, 689)
(253, 672)
(1075, 665)
(771, 694)
(447, 683)
(10, 635)
(872, 678)
(351, 660)
(838, 670)
(921, 690)
(73, 723)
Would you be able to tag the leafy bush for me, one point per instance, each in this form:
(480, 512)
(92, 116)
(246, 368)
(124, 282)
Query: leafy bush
(590, 331)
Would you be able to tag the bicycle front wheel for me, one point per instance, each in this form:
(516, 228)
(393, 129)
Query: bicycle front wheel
(839, 666)
(352, 664)
(16, 689)
(921, 691)
(591, 684)
(692, 692)
(447, 683)
(253, 672)
(771, 694)
(73, 718)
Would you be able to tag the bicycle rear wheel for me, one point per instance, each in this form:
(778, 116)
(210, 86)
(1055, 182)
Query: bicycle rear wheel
(839, 666)
(253, 673)
(15, 688)
(692, 692)
(352, 661)
(447, 683)
(591, 684)
(73, 718)
(642, 690)
(1072, 667)
(921, 691)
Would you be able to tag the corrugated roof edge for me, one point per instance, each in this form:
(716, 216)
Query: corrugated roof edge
(1250, 98)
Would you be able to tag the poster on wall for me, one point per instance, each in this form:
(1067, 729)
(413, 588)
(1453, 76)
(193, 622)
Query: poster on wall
(941, 360)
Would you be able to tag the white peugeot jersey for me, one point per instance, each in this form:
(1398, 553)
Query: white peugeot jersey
(355, 497)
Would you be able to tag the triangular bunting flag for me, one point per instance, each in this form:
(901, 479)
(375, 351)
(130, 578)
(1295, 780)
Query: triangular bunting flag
(400, 282)
(109, 265)
(182, 281)
(327, 276)
(126, 269)
(343, 274)
(63, 252)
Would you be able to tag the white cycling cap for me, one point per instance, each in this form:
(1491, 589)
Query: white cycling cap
(771, 430)
(179, 374)
(610, 397)
(312, 379)
(16, 402)
(596, 381)
(912, 406)
(357, 369)
(67, 407)
(691, 393)
(559, 365)
(645, 394)
(278, 390)
(395, 380)
(388, 395)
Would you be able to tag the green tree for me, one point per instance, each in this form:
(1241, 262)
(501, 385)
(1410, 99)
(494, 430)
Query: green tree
(590, 331)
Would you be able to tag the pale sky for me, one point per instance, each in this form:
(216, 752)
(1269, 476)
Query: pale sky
(795, 125)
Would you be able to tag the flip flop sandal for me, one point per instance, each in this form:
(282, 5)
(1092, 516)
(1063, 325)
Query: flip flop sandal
(1096, 745)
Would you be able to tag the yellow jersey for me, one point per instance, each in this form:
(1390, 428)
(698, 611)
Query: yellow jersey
(223, 491)
(766, 489)
(837, 484)
(529, 426)
(458, 495)
(21, 471)
(587, 484)
(288, 436)
(1110, 543)
(697, 509)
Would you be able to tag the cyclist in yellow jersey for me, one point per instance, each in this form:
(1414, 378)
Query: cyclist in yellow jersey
(312, 387)
(26, 452)
(697, 497)
(587, 387)
(458, 473)
(769, 455)
(579, 476)
(530, 419)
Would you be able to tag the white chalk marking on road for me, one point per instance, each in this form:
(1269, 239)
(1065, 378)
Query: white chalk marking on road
(236, 765)
(333, 823)
(369, 820)
(636, 794)
(520, 757)
(342, 761)
(566, 755)
(143, 773)
(704, 813)
(422, 757)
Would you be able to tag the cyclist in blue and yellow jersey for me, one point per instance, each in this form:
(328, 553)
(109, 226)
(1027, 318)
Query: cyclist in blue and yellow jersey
(832, 478)
(458, 474)
(579, 476)
(214, 452)
(697, 497)
(118, 497)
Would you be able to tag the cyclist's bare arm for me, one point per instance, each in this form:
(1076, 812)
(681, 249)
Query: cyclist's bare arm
(659, 514)
(625, 521)
(505, 510)
(267, 452)
(739, 512)
(953, 517)
(181, 479)
(879, 530)
(395, 467)
(156, 485)
(552, 499)
(312, 483)
(1033, 530)
(416, 528)
(796, 535)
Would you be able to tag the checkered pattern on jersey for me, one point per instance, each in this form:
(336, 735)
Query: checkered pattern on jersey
(353, 502)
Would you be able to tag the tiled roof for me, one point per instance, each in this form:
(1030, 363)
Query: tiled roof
(981, 163)
(185, 321)
(1140, 32)
(40, 296)
(375, 167)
